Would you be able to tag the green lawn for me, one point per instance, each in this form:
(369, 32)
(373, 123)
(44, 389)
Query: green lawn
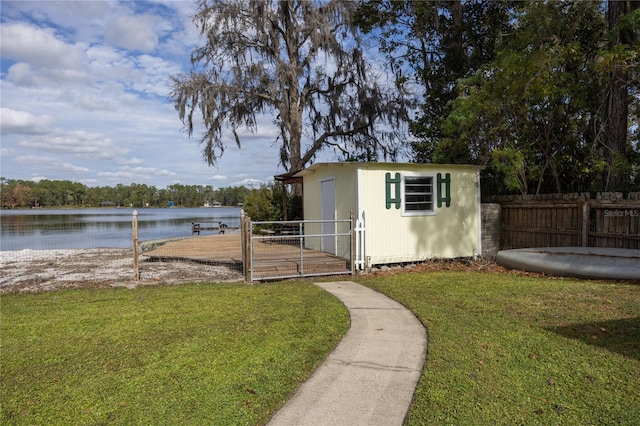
(503, 349)
(511, 350)
(193, 354)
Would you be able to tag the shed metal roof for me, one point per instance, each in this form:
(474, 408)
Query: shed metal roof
(384, 165)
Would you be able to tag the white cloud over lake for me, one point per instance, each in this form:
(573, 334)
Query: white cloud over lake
(84, 97)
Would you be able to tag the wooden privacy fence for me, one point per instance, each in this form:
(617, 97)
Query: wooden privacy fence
(569, 220)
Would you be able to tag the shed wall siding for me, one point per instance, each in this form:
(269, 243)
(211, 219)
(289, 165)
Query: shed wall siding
(391, 237)
(345, 193)
(451, 232)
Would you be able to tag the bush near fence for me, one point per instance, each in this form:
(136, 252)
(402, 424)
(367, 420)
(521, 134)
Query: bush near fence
(609, 220)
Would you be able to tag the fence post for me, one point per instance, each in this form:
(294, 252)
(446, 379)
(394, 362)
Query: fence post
(584, 204)
(300, 244)
(244, 251)
(134, 228)
(354, 242)
(245, 222)
(242, 240)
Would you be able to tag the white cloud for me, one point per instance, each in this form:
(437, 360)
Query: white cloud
(23, 122)
(41, 57)
(51, 163)
(23, 74)
(84, 20)
(133, 161)
(38, 47)
(90, 102)
(102, 54)
(135, 174)
(84, 97)
(78, 143)
(133, 33)
(251, 182)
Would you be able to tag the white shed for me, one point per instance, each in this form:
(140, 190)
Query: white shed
(410, 212)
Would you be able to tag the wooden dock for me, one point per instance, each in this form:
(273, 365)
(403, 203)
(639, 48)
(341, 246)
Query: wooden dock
(214, 249)
(271, 259)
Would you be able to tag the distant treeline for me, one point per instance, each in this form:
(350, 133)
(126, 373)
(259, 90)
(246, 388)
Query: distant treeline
(64, 193)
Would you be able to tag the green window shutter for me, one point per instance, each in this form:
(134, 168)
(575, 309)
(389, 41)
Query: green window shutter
(447, 190)
(396, 182)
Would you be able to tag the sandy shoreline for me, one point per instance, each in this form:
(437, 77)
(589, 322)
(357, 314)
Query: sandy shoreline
(45, 270)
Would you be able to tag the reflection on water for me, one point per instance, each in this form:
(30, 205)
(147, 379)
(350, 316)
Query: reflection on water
(89, 228)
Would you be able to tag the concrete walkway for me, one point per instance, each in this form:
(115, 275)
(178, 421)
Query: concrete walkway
(370, 377)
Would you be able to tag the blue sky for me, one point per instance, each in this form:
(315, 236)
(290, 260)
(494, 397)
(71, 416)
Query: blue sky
(84, 98)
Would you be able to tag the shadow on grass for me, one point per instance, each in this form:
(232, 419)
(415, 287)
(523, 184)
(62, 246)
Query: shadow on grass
(621, 335)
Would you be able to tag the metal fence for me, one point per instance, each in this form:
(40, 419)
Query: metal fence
(293, 249)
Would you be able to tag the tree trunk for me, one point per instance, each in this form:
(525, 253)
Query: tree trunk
(617, 102)
(457, 48)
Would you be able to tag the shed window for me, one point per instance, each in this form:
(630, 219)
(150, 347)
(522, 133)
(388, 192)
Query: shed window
(419, 195)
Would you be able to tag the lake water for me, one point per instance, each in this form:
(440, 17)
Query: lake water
(48, 229)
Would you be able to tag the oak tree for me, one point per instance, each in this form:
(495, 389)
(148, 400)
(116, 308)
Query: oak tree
(299, 62)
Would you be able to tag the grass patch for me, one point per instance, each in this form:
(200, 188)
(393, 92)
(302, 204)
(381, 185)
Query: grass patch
(191, 354)
(503, 349)
(507, 349)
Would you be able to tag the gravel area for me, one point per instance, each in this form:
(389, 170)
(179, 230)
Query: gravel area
(45, 270)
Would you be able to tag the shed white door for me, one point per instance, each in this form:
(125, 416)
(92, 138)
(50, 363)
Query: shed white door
(328, 213)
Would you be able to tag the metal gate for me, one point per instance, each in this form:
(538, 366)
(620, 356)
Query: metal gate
(292, 249)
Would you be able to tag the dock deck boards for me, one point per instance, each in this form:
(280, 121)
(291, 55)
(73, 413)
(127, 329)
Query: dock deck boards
(220, 248)
(271, 259)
